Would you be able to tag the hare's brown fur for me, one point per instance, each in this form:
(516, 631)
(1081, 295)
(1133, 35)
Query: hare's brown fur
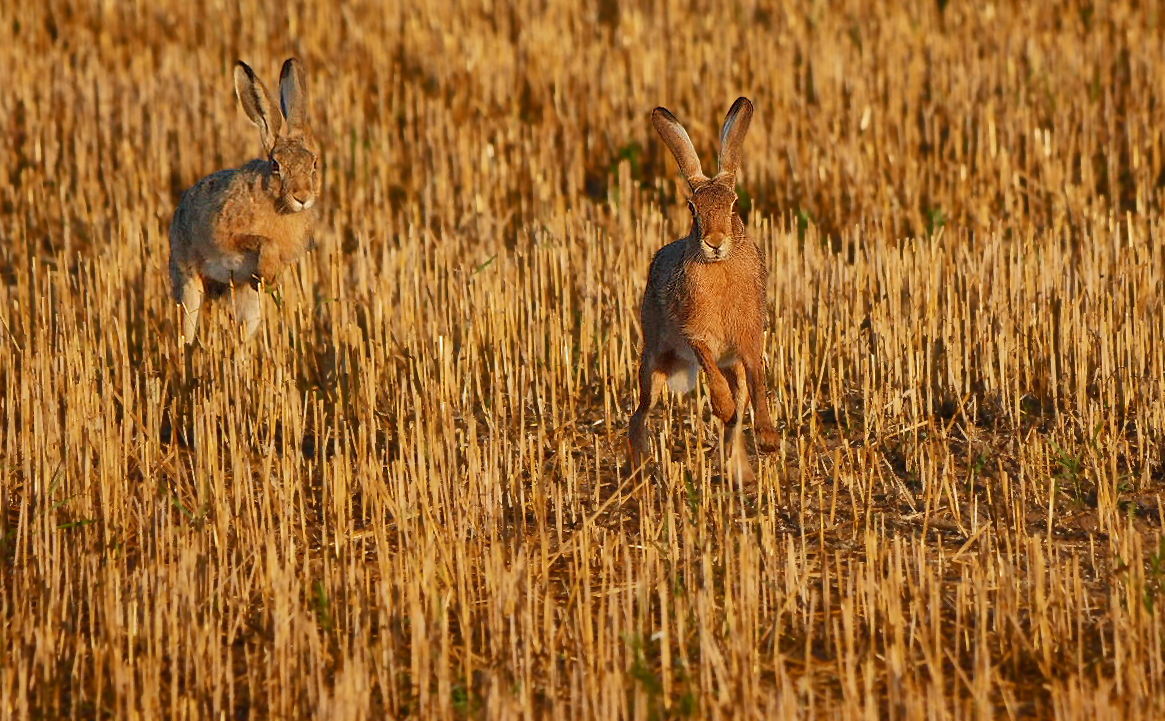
(237, 227)
(704, 306)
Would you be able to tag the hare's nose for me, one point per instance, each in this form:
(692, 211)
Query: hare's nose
(714, 240)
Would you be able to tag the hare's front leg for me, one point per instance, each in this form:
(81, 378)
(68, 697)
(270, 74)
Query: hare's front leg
(723, 405)
(737, 378)
(766, 433)
(737, 456)
(271, 261)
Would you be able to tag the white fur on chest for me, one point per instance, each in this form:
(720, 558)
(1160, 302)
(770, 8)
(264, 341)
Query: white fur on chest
(226, 267)
(683, 379)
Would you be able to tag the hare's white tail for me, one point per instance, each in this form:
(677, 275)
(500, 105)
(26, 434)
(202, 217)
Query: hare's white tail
(684, 380)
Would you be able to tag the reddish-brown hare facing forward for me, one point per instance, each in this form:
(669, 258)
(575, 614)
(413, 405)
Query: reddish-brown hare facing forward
(238, 227)
(704, 306)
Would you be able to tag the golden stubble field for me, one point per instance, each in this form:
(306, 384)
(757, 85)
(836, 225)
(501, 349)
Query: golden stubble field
(408, 498)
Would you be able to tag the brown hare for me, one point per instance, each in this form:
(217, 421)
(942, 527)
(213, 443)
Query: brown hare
(235, 228)
(704, 305)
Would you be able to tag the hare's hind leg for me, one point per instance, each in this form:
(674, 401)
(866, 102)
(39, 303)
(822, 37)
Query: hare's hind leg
(652, 379)
(189, 292)
(737, 378)
(247, 307)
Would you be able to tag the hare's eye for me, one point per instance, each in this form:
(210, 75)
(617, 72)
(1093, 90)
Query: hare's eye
(735, 207)
(692, 207)
(274, 166)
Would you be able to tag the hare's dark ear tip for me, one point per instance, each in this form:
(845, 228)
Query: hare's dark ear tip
(292, 67)
(742, 103)
(662, 113)
(244, 76)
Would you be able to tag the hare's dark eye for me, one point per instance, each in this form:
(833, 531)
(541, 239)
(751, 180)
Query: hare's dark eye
(735, 207)
(692, 207)
(274, 166)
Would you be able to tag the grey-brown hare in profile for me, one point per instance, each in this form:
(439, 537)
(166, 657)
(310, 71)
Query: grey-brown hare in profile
(704, 306)
(235, 228)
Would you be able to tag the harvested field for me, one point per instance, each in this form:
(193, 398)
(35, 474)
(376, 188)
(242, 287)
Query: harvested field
(408, 497)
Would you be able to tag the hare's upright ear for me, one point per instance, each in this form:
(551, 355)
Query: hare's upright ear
(257, 104)
(732, 136)
(293, 96)
(677, 140)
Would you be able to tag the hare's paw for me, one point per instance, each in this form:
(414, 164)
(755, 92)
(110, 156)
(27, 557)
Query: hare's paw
(638, 445)
(270, 263)
(723, 407)
(767, 439)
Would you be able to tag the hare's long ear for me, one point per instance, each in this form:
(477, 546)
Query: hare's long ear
(293, 96)
(257, 104)
(677, 140)
(732, 136)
